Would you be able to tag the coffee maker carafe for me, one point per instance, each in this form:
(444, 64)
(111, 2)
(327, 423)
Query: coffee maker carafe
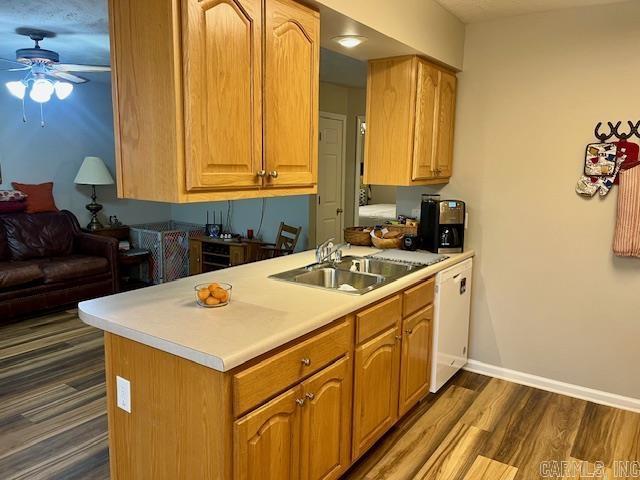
(442, 224)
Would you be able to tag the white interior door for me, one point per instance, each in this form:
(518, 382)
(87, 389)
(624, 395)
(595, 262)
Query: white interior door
(331, 158)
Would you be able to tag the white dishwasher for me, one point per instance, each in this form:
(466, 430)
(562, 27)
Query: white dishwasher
(450, 323)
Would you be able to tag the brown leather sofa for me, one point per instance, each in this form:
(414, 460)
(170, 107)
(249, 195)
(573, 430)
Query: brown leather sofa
(46, 262)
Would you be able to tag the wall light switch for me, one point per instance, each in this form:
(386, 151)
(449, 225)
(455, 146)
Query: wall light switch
(123, 394)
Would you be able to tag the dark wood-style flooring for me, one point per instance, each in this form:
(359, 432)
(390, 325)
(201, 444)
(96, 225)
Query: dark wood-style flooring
(53, 420)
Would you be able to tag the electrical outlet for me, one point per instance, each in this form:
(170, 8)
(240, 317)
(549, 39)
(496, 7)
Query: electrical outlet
(123, 394)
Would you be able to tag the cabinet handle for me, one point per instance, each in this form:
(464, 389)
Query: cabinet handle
(408, 332)
(398, 337)
(273, 174)
(310, 396)
(261, 173)
(306, 361)
(300, 401)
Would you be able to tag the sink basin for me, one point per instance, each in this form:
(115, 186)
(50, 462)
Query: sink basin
(374, 266)
(355, 275)
(330, 278)
(333, 278)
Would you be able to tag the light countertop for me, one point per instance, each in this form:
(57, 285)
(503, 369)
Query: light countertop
(263, 313)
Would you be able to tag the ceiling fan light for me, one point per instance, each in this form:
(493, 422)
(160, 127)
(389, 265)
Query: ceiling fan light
(41, 91)
(63, 89)
(16, 88)
(349, 41)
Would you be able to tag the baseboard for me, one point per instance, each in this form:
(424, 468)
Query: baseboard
(576, 391)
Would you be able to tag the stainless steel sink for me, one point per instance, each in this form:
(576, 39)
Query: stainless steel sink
(355, 275)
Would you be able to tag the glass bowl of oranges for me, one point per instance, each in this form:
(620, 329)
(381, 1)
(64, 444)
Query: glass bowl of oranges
(213, 294)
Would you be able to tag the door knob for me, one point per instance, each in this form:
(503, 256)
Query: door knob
(273, 174)
(339, 211)
(261, 173)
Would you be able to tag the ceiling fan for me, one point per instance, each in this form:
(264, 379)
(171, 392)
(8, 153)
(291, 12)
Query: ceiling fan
(41, 65)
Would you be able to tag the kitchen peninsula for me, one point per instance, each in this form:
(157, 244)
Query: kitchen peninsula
(314, 375)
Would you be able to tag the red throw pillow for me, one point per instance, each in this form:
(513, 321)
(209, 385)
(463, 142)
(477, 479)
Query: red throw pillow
(39, 197)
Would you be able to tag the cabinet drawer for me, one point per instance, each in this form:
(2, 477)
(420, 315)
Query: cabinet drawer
(260, 382)
(378, 318)
(418, 297)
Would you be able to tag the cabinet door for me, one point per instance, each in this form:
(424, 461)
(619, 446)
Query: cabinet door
(375, 403)
(291, 93)
(195, 257)
(443, 158)
(266, 441)
(326, 422)
(426, 119)
(222, 93)
(416, 354)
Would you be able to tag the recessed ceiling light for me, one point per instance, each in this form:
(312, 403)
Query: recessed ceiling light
(349, 41)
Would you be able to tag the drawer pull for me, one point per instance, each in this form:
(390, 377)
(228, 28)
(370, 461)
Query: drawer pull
(300, 401)
(306, 361)
(310, 396)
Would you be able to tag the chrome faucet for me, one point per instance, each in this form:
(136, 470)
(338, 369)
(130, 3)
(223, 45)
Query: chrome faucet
(327, 251)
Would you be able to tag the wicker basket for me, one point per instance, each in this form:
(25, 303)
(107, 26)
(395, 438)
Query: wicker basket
(358, 236)
(406, 229)
(391, 239)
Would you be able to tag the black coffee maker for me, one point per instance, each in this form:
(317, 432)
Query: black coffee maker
(442, 224)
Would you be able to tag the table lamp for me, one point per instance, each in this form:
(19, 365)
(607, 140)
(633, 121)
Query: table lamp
(93, 172)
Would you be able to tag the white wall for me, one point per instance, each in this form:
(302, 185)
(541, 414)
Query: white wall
(549, 297)
(77, 127)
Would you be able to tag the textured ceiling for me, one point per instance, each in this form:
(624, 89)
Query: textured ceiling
(81, 27)
(473, 11)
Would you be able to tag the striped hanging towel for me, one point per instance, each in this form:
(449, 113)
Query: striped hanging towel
(626, 242)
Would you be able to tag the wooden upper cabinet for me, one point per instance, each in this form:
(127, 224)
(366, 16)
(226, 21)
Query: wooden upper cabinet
(267, 440)
(375, 401)
(424, 146)
(292, 46)
(326, 423)
(415, 362)
(410, 122)
(222, 58)
(212, 95)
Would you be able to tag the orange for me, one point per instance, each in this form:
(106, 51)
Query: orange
(213, 286)
(203, 293)
(212, 301)
(221, 294)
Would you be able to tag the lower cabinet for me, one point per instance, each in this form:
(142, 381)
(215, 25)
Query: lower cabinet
(375, 401)
(302, 434)
(415, 362)
(267, 440)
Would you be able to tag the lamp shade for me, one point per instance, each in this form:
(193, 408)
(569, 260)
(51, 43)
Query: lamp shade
(93, 171)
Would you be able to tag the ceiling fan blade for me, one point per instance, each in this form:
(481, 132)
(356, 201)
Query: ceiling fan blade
(11, 61)
(67, 77)
(70, 67)
(15, 69)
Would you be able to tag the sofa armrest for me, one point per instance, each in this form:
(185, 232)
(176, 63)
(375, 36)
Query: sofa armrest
(99, 246)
